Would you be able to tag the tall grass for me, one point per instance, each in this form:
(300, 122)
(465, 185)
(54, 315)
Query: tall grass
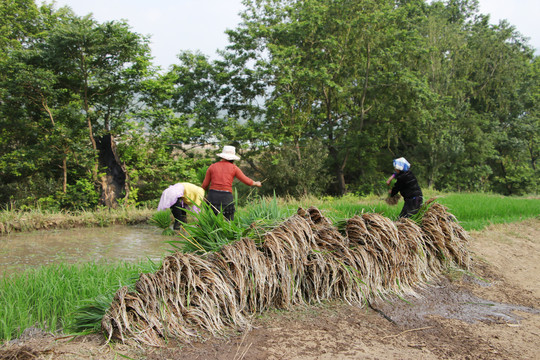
(476, 211)
(54, 297)
(265, 210)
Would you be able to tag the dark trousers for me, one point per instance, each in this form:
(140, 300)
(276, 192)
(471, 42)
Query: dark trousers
(411, 206)
(222, 201)
(180, 215)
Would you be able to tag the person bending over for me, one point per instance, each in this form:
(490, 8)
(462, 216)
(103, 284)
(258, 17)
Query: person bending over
(178, 198)
(407, 185)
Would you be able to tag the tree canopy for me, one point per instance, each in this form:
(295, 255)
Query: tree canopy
(317, 95)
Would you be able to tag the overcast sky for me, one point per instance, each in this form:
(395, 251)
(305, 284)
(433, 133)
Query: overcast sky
(175, 25)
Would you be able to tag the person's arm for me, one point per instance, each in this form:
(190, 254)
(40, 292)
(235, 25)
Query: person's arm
(207, 178)
(395, 189)
(390, 179)
(246, 180)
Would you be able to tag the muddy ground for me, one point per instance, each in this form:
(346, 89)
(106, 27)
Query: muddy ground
(493, 313)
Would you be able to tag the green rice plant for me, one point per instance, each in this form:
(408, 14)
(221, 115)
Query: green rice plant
(51, 297)
(475, 211)
(208, 233)
(87, 316)
(162, 219)
(263, 210)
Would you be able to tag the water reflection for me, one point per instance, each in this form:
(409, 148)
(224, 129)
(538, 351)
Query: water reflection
(25, 250)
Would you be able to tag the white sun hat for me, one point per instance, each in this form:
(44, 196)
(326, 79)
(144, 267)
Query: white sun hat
(229, 153)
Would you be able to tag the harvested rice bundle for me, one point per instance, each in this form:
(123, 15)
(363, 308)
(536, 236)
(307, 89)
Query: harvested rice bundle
(195, 292)
(126, 321)
(417, 256)
(382, 244)
(434, 232)
(250, 273)
(287, 248)
(356, 230)
(332, 271)
(286, 261)
(327, 273)
(317, 217)
(393, 200)
(346, 268)
(368, 273)
(316, 278)
(446, 234)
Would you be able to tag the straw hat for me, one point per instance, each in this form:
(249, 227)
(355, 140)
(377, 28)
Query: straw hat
(229, 153)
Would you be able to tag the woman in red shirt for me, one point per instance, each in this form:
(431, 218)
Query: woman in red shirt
(218, 182)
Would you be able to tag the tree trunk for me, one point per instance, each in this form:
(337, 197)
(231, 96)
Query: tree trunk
(339, 170)
(64, 170)
(114, 180)
(341, 175)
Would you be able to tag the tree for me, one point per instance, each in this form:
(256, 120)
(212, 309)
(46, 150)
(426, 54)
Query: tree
(329, 67)
(102, 64)
(75, 74)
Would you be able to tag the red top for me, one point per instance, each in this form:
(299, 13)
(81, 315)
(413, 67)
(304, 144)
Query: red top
(220, 176)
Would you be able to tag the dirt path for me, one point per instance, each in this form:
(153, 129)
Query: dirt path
(492, 315)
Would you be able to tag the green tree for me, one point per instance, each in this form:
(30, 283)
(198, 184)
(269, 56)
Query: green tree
(76, 75)
(101, 64)
(20, 24)
(329, 68)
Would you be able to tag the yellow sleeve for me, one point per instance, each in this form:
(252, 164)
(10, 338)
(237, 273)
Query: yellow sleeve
(193, 194)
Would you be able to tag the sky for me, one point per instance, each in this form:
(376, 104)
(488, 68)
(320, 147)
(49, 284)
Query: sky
(176, 25)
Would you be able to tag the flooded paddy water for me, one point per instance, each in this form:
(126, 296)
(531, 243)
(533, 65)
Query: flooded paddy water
(20, 251)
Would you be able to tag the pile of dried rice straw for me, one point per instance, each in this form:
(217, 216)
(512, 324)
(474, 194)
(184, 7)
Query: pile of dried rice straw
(304, 260)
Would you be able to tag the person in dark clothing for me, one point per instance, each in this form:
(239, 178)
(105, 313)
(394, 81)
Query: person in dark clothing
(407, 185)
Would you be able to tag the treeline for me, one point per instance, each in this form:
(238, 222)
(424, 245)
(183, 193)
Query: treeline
(318, 96)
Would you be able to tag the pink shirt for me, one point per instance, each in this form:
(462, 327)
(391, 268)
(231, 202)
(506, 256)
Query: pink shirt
(170, 196)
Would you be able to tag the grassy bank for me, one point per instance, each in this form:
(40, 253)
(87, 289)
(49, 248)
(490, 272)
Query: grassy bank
(474, 211)
(30, 220)
(49, 297)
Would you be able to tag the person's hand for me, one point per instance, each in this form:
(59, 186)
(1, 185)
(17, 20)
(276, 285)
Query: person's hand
(257, 183)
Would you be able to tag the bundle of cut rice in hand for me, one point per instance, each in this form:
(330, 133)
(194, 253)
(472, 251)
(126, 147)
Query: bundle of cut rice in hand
(393, 200)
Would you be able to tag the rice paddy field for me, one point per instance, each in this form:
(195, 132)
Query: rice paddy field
(71, 299)
(474, 211)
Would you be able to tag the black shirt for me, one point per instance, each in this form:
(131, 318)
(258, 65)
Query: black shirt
(407, 185)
